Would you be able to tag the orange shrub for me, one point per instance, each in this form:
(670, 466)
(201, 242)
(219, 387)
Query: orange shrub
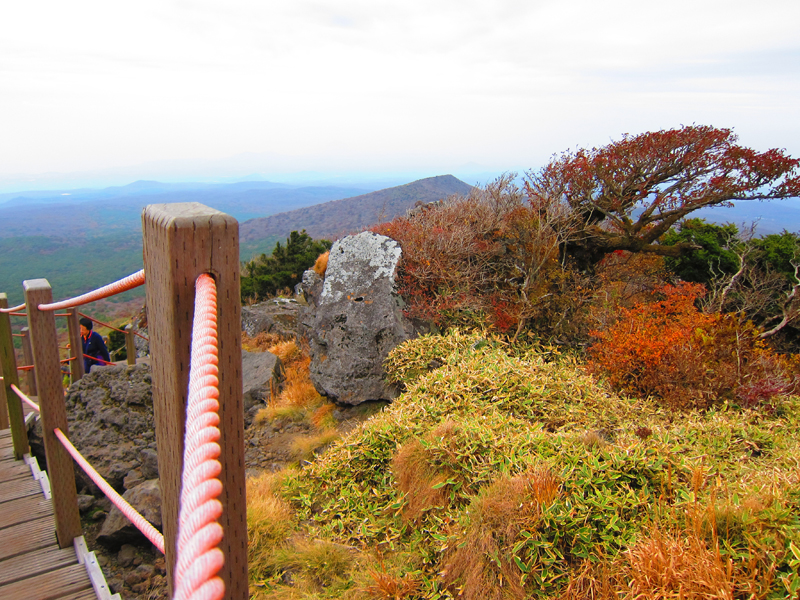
(668, 348)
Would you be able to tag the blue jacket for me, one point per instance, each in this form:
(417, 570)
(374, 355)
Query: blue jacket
(93, 345)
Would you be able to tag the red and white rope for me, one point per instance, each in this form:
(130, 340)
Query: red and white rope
(142, 524)
(199, 532)
(25, 399)
(12, 309)
(123, 285)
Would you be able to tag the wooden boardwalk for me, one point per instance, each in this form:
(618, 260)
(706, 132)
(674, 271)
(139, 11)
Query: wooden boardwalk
(32, 566)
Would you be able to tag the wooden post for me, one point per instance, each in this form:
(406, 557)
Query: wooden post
(76, 371)
(27, 356)
(130, 346)
(3, 405)
(60, 469)
(182, 241)
(14, 417)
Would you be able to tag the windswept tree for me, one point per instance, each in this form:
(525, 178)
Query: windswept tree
(628, 194)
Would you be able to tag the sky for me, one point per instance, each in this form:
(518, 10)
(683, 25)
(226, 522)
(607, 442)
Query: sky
(98, 92)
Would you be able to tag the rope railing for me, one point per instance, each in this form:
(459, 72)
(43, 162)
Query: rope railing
(142, 524)
(25, 399)
(199, 558)
(111, 326)
(205, 555)
(13, 309)
(199, 533)
(123, 285)
(100, 360)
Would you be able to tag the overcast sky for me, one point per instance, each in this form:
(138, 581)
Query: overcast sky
(355, 85)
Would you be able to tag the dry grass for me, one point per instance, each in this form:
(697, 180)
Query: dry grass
(261, 342)
(306, 447)
(269, 522)
(287, 350)
(480, 567)
(299, 398)
(390, 586)
(321, 264)
(322, 417)
(418, 480)
(665, 566)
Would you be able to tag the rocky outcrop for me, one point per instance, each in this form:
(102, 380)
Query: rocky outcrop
(110, 418)
(354, 318)
(118, 530)
(278, 316)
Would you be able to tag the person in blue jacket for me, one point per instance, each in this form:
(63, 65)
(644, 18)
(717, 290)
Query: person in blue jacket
(93, 345)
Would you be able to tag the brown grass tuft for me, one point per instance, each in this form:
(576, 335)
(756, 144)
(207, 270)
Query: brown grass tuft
(390, 586)
(664, 566)
(479, 568)
(305, 447)
(590, 582)
(321, 264)
(417, 479)
(261, 342)
(269, 521)
(287, 350)
(322, 417)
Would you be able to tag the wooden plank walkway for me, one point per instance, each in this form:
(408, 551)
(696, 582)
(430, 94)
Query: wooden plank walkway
(32, 566)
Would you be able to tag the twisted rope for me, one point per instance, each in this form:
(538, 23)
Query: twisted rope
(123, 285)
(12, 309)
(142, 524)
(199, 532)
(25, 399)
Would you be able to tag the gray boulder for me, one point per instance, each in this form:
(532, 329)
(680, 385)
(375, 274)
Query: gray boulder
(278, 316)
(354, 318)
(118, 530)
(262, 375)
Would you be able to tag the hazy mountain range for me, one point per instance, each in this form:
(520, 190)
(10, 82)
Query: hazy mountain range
(350, 215)
(83, 238)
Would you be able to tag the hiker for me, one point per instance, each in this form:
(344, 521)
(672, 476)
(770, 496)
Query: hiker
(93, 345)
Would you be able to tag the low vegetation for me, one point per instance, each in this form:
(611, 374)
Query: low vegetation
(608, 409)
(512, 474)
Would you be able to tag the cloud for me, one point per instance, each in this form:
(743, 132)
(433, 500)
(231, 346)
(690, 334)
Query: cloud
(95, 84)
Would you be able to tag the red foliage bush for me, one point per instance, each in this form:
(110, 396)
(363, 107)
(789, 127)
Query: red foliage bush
(668, 348)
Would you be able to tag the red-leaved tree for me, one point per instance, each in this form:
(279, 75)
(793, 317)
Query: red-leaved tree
(626, 195)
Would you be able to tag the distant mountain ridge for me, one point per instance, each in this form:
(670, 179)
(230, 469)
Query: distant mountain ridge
(350, 215)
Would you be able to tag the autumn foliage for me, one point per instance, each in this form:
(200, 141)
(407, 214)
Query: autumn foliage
(491, 258)
(629, 193)
(670, 349)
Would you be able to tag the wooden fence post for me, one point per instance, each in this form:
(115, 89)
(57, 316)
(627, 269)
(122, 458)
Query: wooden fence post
(130, 346)
(8, 367)
(76, 371)
(27, 356)
(60, 469)
(4, 424)
(182, 241)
